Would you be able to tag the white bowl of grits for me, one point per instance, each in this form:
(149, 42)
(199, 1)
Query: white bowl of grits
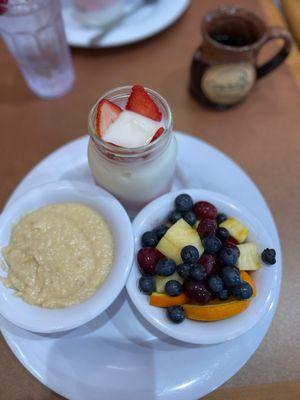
(66, 252)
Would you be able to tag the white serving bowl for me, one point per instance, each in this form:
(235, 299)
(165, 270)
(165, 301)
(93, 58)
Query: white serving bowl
(266, 279)
(45, 320)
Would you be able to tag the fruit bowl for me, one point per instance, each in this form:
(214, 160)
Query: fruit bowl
(194, 331)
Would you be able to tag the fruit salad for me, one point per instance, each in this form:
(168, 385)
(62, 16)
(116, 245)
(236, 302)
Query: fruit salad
(138, 124)
(198, 263)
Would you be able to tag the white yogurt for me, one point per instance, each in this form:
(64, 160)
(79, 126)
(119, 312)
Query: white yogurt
(131, 130)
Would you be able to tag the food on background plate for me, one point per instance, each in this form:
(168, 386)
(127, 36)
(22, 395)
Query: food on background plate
(137, 125)
(199, 267)
(59, 255)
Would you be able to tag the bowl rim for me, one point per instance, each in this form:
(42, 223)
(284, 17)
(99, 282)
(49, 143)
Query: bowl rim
(161, 323)
(97, 304)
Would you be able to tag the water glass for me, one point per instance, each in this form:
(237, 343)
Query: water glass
(34, 33)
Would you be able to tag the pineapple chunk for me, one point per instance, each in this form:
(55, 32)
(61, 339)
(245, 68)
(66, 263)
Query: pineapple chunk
(162, 280)
(236, 229)
(177, 236)
(249, 257)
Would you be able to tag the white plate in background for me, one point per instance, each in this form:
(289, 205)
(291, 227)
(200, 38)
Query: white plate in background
(142, 24)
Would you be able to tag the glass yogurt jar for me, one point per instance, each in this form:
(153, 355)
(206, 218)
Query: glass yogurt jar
(134, 175)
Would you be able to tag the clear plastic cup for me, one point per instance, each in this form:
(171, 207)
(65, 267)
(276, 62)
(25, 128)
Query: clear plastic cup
(34, 33)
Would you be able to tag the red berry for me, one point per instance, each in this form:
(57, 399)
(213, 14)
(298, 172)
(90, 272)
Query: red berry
(207, 227)
(3, 9)
(148, 258)
(210, 263)
(203, 209)
(197, 291)
(231, 240)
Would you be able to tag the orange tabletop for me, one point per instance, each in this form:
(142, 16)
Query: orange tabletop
(262, 135)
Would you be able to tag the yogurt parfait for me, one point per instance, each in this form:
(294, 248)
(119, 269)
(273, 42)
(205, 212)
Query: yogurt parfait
(132, 148)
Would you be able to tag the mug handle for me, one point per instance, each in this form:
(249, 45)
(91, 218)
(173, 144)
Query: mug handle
(275, 33)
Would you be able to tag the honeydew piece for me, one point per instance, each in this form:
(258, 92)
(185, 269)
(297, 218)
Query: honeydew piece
(178, 236)
(249, 257)
(236, 229)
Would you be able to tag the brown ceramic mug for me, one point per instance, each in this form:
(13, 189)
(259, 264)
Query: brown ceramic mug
(224, 67)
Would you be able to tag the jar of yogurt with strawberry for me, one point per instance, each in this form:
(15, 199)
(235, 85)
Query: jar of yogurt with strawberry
(132, 149)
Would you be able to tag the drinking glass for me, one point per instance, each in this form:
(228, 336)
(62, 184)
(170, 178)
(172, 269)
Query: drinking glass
(34, 33)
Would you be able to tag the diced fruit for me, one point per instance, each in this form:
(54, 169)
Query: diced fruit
(222, 234)
(165, 267)
(174, 216)
(157, 134)
(107, 113)
(221, 218)
(173, 288)
(197, 272)
(211, 244)
(242, 292)
(210, 263)
(178, 236)
(231, 277)
(269, 256)
(149, 239)
(203, 209)
(246, 277)
(190, 218)
(147, 284)
(207, 227)
(229, 255)
(236, 229)
(215, 310)
(223, 294)
(163, 300)
(183, 270)
(175, 314)
(140, 102)
(147, 259)
(183, 202)
(197, 291)
(249, 257)
(161, 281)
(190, 254)
(215, 283)
(231, 241)
(160, 231)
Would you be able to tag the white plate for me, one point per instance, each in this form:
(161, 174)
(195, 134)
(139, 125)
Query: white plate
(145, 22)
(194, 331)
(119, 354)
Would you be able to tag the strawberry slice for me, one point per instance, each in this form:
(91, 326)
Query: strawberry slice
(107, 113)
(157, 134)
(140, 102)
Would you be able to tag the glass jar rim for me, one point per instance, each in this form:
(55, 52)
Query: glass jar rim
(124, 151)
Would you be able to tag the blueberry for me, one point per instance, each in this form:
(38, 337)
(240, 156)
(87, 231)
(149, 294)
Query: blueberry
(165, 267)
(160, 231)
(221, 218)
(269, 256)
(147, 284)
(149, 239)
(176, 314)
(215, 283)
(231, 276)
(222, 234)
(190, 254)
(174, 216)
(197, 272)
(229, 255)
(211, 244)
(184, 270)
(223, 294)
(173, 288)
(183, 202)
(190, 218)
(243, 291)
